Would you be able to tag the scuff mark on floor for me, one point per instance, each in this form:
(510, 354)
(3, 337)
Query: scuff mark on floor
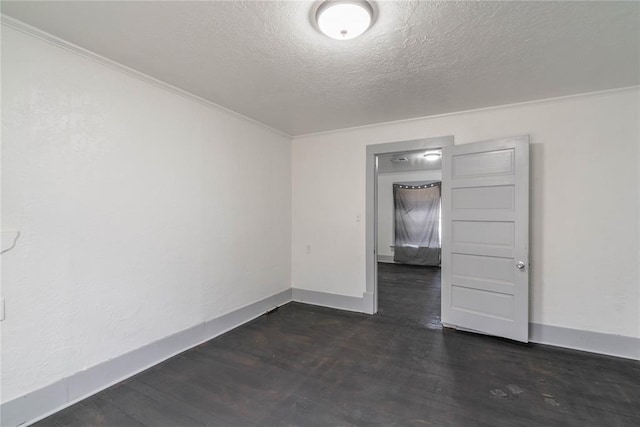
(498, 393)
(514, 389)
(550, 400)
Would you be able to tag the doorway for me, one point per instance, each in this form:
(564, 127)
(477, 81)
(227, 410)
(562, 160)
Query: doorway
(383, 159)
(485, 241)
(409, 254)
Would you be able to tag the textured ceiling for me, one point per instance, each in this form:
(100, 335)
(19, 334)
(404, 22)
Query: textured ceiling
(266, 61)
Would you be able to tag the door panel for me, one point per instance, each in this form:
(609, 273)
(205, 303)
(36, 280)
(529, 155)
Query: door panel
(485, 234)
(499, 197)
(481, 302)
(469, 237)
(483, 268)
(499, 162)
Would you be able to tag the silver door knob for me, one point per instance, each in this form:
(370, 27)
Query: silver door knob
(520, 266)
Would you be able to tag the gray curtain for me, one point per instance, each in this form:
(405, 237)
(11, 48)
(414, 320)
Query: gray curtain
(417, 224)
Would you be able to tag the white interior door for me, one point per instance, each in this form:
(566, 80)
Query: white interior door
(485, 237)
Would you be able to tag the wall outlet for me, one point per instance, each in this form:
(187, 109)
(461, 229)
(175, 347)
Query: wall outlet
(307, 249)
(1, 309)
(358, 217)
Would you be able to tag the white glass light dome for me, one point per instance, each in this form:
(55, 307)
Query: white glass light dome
(432, 156)
(344, 20)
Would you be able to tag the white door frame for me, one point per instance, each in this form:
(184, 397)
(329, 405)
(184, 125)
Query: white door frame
(370, 303)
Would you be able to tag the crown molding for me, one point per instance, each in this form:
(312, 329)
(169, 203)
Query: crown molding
(471, 111)
(73, 48)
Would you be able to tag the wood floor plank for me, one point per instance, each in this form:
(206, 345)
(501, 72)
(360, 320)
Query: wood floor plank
(138, 404)
(91, 412)
(312, 366)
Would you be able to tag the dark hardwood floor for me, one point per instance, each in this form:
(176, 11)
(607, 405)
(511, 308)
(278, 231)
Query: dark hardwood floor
(311, 366)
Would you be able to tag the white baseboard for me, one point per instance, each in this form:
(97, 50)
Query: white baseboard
(593, 342)
(369, 303)
(38, 404)
(576, 339)
(341, 302)
(43, 402)
(386, 258)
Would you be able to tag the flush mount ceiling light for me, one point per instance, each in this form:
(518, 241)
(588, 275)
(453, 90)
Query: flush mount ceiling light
(344, 20)
(432, 156)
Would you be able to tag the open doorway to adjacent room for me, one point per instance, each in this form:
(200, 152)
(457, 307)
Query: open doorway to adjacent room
(485, 193)
(403, 228)
(409, 235)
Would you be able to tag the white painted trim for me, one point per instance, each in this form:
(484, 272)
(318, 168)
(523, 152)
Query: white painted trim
(41, 403)
(371, 197)
(574, 339)
(340, 302)
(368, 302)
(56, 41)
(386, 259)
(70, 47)
(473, 110)
(593, 342)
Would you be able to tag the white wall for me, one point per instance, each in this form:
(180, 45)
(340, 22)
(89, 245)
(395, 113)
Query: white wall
(584, 203)
(142, 212)
(385, 203)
